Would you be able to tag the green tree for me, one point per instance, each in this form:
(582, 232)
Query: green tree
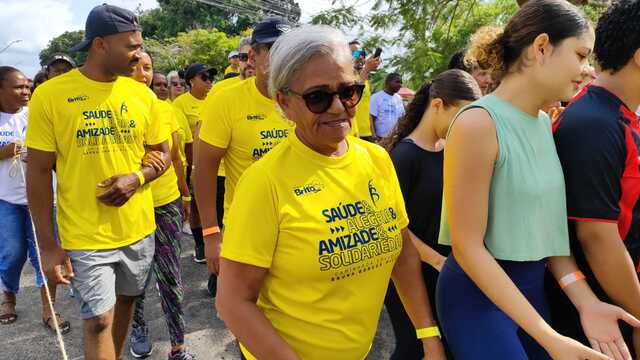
(208, 47)
(421, 35)
(62, 44)
(229, 16)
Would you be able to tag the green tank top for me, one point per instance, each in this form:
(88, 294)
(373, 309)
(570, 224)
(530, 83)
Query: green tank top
(527, 215)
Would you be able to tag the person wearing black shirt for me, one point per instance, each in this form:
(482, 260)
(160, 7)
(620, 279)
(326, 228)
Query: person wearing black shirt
(417, 153)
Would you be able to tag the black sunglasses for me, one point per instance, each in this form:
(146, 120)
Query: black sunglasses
(204, 77)
(244, 57)
(319, 101)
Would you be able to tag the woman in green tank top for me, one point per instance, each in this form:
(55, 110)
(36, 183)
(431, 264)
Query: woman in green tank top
(504, 200)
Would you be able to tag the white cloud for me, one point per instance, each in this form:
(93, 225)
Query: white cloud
(33, 23)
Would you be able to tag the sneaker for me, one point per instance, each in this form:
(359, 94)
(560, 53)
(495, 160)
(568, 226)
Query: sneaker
(140, 346)
(183, 354)
(199, 255)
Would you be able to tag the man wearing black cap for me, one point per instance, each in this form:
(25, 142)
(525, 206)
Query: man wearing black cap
(239, 124)
(59, 64)
(95, 125)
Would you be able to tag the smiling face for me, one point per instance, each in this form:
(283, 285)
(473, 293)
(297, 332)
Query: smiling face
(321, 72)
(143, 71)
(559, 70)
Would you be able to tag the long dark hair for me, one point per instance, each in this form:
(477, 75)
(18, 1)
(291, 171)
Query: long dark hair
(451, 86)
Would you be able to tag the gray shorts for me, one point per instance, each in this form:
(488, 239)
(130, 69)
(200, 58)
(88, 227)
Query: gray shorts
(101, 275)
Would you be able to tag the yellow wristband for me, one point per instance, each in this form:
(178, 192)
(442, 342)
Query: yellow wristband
(428, 332)
(141, 177)
(186, 198)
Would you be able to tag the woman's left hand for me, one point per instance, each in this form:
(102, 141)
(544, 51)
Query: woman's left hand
(600, 324)
(433, 349)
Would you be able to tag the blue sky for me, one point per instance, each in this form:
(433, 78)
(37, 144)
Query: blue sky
(32, 23)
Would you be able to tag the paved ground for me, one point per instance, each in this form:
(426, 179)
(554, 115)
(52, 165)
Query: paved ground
(27, 339)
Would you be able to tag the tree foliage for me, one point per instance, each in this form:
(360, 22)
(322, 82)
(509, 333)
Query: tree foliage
(419, 36)
(208, 47)
(229, 16)
(62, 44)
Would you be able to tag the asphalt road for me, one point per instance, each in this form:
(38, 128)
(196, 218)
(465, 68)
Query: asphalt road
(28, 339)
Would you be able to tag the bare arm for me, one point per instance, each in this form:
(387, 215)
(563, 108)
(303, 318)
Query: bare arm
(238, 289)
(207, 162)
(427, 254)
(472, 150)
(615, 271)
(179, 170)
(407, 277)
(7, 151)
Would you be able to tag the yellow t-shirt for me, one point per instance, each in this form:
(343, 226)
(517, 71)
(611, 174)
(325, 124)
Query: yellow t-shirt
(97, 130)
(230, 69)
(329, 231)
(165, 188)
(190, 106)
(362, 112)
(240, 119)
(224, 84)
(184, 134)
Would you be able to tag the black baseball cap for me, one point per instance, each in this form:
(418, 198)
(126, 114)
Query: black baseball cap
(61, 57)
(268, 30)
(106, 20)
(194, 69)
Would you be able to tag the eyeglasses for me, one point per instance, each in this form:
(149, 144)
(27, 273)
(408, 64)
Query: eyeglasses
(204, 77)
(176, 83)
(244, 57)
(319, 101)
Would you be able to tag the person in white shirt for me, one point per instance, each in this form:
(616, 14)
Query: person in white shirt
(386, 106)
(17, 241)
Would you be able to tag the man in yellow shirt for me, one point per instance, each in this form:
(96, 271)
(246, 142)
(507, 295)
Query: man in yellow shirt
(246, 69)
(234, 63)
(239, 124)
(93, 125)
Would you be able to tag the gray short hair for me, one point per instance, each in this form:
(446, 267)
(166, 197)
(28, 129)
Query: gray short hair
(245, 41)
(294, 49)
(172, 74)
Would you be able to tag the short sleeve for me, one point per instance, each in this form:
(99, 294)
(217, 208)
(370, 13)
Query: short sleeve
(373, 105)
(592, 154)
(255, 244)
(184, 125)
(158, 130)
(216, 125)
(40, 131)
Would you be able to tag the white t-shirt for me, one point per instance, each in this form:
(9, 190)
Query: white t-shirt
(13, 128)
(387, 109)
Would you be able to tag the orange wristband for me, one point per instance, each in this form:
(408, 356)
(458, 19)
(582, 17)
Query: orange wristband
(570, 279)
(210, 230)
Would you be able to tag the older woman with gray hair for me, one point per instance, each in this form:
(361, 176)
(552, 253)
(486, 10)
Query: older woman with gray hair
(318, 225)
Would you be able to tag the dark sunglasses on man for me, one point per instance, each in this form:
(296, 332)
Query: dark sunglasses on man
(205, 77)
(320, 100)
(244, 57)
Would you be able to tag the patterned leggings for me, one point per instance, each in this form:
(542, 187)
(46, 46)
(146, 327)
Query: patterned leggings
(167, 270)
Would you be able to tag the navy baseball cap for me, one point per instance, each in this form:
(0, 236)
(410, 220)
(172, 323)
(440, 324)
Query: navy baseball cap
(194, 69)
(269, 30)
(60, 57)
(106, 20)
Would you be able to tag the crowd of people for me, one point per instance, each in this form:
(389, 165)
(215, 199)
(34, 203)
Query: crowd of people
(495, 215)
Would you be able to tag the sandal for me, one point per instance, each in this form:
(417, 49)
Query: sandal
(9, 317)
(64, 325)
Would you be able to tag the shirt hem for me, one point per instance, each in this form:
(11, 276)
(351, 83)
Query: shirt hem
(111, 246)
(245, 260)
(575, 218)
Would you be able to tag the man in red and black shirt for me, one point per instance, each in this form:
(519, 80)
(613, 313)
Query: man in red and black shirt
(598, 142)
